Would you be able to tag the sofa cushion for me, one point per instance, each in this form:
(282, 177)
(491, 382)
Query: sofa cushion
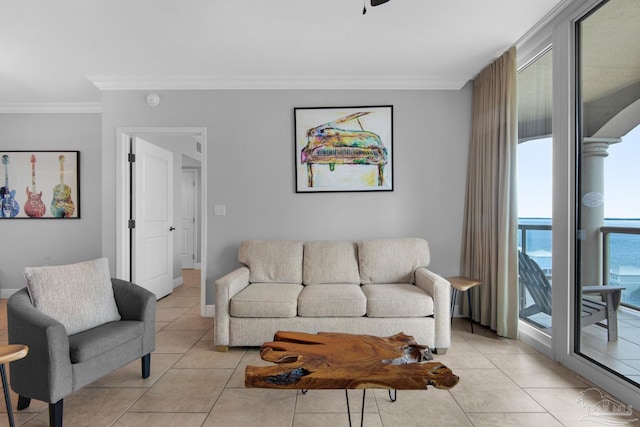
(332, 300)
(87, 344)
(272, 261)
(266, 300)
(80, 296)
(391, 260)
(328, 262)
(397, 300)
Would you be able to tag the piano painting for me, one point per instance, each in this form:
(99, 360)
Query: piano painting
(346, 153)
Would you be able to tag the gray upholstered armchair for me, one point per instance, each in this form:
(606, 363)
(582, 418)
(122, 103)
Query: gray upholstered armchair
(59, 364)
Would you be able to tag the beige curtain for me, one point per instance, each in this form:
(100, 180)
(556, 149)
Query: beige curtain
(489, 247)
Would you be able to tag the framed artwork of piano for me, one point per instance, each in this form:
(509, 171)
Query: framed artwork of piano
(40, 185)
(344, 149)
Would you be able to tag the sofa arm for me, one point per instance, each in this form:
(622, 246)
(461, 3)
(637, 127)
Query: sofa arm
(440, 290)
(225, 288)
(45, 373)
(136, 303)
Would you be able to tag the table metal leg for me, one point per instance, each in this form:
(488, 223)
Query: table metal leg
(454, 295)
(7, 396)
(470, 309)
(346, 394)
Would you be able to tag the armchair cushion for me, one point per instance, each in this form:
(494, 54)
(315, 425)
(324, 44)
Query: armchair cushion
(93, 342)
(80, 296)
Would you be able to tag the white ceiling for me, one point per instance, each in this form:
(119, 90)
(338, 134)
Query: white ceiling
(62, 51)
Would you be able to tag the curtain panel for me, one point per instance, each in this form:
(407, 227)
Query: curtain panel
(489, 247)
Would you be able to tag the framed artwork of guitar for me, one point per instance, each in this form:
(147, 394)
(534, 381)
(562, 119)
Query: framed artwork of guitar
(40, 184)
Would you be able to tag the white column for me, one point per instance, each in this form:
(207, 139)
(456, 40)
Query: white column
(594, 150)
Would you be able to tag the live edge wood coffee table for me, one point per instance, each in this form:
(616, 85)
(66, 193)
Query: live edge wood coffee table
(346, 361)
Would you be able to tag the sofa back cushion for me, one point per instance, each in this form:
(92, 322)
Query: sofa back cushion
(272, 261)
(330, 262)
(391, 260)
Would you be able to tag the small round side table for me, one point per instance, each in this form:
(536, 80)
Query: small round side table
(462, 284)
(10, 353)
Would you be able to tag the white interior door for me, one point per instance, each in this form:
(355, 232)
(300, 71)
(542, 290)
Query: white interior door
(188, 220)
(152, 239)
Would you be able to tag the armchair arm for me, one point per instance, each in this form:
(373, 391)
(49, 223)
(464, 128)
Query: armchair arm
(440, 290)
(136, 303)
(225, 288)
(45, 373)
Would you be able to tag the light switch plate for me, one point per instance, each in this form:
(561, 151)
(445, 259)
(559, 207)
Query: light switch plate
(219, 210)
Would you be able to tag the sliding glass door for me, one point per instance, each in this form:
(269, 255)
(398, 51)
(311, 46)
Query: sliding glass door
(607, 247)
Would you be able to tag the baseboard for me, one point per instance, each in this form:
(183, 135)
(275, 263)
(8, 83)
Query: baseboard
(177, 282)
(6, 293)
(209, 311)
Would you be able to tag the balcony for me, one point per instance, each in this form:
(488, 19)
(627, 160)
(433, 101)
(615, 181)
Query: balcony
(621, 266)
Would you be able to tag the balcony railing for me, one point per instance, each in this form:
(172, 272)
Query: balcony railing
(621, 261)
(620, 256)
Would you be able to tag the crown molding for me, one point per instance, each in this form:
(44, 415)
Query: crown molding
(106, 83)
(535, 31)
(50, 108)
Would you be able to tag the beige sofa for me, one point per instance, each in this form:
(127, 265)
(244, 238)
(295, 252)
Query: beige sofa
(376, 287)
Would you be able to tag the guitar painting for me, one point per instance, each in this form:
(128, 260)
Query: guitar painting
(34, 207)
(10, 207)
(62, 205)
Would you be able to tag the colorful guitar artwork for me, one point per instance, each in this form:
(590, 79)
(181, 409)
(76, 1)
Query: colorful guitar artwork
(10, 207)
(62, 205)
(34, 207)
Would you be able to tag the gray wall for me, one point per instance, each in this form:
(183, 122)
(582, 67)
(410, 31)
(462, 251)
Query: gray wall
(250, 165)
(37, 242)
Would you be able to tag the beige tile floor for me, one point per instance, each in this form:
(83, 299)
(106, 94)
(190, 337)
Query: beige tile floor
(503, 383)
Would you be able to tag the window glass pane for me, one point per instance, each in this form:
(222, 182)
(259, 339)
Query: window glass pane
(535, 191)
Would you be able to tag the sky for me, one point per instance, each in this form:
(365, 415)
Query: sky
(622, 178)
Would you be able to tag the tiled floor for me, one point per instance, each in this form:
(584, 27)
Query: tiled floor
(503, 383)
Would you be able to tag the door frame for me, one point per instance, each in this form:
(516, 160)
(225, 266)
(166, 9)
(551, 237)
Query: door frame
(122, 185)
(195, 210)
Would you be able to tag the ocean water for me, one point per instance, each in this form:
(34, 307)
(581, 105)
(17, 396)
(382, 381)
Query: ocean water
(624, 257)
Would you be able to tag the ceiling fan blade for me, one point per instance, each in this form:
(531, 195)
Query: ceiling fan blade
(378, 2)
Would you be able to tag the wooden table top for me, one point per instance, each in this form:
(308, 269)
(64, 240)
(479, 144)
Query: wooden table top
(463, 283)
(330, 360)
(11, 352)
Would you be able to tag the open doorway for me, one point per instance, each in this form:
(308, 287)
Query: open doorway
(189, 219)
(184, 142)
